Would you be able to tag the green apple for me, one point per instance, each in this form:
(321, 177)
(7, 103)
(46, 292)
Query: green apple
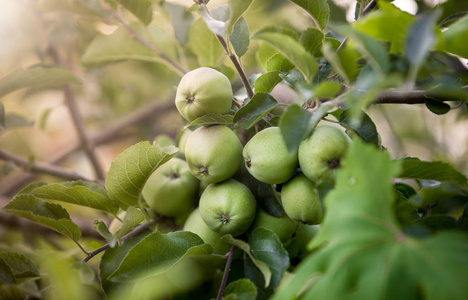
(298, 248)
(267, 157)
(171, 190)
(183, 140)
(228, 207)
(284, 227)
(320, 154)
(301, 200)
(196, 225)
(213, 153)
(203, 91)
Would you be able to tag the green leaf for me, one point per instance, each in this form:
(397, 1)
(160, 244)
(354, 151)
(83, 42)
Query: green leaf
(290, 48)
(47, 214)
(120, 46)
(421, 38)
(212, 119)
(295, 126)
(318, 9)
(6, 274)
(267, 247)
(455, 37)
(327, 90)
(240, 37)
(82, 193)
(132, 218)
(12, 121)
(364, 127)
(267, 81)
(20, 265)
(242, 289)
(181, 20)
(249, 114)
(277, 62)
(157, 253)
(364, 253)
(312, 39)
(204, 44)
(436, 106)
(244, 246)
(436, 170)
(142, 9)
(112, 259)
(238, 7)
(437, 194)
(36, 76)
(129, 171)
(376, 24)
(102, 229)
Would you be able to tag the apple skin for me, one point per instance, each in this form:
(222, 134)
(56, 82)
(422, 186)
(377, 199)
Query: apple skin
(301, 200)
(171, 190)
(267, 158)
(196, 225)
(284, 227)
(213, 153)
(228, 207)
(320, 154)
(183, 140)
(203, 91)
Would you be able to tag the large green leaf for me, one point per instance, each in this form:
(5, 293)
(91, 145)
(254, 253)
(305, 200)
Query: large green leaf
(377, 23)
(47, 214)
(129, 171)
(157, 253)
(415, 168)
(318, 9)
(291, 48)
(36, 76)
(364, 254)
(204, 44)
(77, 192)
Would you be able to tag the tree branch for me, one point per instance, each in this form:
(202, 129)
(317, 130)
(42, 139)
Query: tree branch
(38, 167)
(135, 231)
(180, 70)
(413, 97)
(227, 269)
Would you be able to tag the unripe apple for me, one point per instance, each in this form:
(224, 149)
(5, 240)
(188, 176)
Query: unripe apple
(267, 157)
(203, 91)
(228, 207)
(284, 227)
(183, 140)
(301, 201)
(213, 153)
(196, 225)
(171, 190)
(320, 154)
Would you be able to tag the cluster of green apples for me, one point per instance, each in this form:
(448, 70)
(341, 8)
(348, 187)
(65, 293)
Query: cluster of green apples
(208, 181)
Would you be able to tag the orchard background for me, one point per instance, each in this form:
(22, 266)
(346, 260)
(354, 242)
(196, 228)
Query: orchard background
(81, 81)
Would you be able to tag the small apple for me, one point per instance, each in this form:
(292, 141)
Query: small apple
(203, 91)
(213, 153)
(284, 227)
(183, 140)
(171, 190)
(267, 157)
(320, 154)
(301, 200)
(228, 207)
(196, 225)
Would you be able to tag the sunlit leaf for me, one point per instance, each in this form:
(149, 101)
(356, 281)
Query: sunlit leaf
(249, 114)
(318, 9)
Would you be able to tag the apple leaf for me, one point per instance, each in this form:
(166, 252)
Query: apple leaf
(6, 274)
(267, 247)
(212, 119)
(47, 214)
(204, 44)
(415, 168)
(364, 128)
(238, 8)
(294, 125)
(240, 37)
(242, 289)
(291, 48)
(278, 62)
(142, 9)
(129, 171)
(20, 265)
(102, 229)
(157, 253)
(258, 107)
(365, 254)
(436, 106)
(455, 37)
(82, 193)
(36, 76)
(318, 9)
(244, 246)
(132, 218)
(267, 81)
(312, 39)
